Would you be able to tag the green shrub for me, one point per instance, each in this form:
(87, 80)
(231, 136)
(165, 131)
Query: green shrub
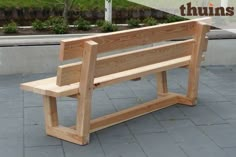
(55, 20)
(173, 18)
(150, 21)
(109, 27)
(82, 24)
(39, 25)
(10, 27)
(60, 28)
(133, 23)
(99, 23)
(57, 25)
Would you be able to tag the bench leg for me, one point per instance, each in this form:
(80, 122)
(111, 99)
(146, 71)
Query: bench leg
(50, 112)
(193, 81)
(194, 67)
(86, 90)
(162, 87)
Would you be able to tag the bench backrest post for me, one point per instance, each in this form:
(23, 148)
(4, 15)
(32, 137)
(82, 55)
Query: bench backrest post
(196, 57)
(86, 89)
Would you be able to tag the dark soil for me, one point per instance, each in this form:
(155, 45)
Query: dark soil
(30, 31)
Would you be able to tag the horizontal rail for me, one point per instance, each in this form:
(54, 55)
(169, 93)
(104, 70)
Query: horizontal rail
(73, 48)
(70, 73)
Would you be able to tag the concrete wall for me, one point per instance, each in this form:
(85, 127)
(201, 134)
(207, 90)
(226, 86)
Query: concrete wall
(43, 59)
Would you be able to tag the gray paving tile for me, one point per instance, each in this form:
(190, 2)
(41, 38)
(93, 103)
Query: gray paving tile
(223, 135)
(231, 98)
(67, 112)
(91, 150)
(11, 147)
(146, 95)
(32, 99)
(99, 110)
(202, 115)
(52, 151)
(100, 97)
(223, 86)
(127, 149)
(10, 81)
(169, 113)
(172, 83)
(34, 135)
(143, 90)
(203, 150)
(232, 122)
(177, 124)
(144, 124)
(119, 91)
(207, 94)
(192, 141)
(11, 94)
(121, 104)
(142, 84)
(204, 97)
(11, 128)
(11, 109)
(184, 131)
(225, 110)
(216, 69)
(116, 139)
(33, 116)
(159, 144)
(116, 130)
(205, 75)
(230, 151)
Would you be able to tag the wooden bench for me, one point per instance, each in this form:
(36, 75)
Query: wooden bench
(78, 80)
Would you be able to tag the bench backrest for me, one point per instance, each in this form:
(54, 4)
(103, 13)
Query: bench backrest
(192, 31)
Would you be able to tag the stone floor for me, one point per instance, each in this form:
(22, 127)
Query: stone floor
(207, 130)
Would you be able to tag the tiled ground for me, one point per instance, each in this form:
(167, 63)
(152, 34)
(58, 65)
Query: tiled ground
(207, 130)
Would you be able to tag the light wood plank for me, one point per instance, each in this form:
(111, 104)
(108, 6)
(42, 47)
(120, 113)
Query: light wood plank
(48, 87)
(140, 72)
(66, 134)
(73, 48)
(50, 112)
(71, 73)
(194, 67)
(205, 44)
(162, 86)
(132, 112)
(86, 89)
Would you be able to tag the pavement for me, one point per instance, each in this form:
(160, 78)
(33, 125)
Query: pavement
(207, 130)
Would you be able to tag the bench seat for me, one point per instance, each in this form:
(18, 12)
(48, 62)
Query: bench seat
(50, 88)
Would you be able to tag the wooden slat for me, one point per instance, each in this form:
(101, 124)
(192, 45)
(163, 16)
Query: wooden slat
(73, 48)
(142, 71)
(48, 87)
(132, 112)
(70, 73)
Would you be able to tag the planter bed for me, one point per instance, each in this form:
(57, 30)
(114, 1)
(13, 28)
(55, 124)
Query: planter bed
(29, 31)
